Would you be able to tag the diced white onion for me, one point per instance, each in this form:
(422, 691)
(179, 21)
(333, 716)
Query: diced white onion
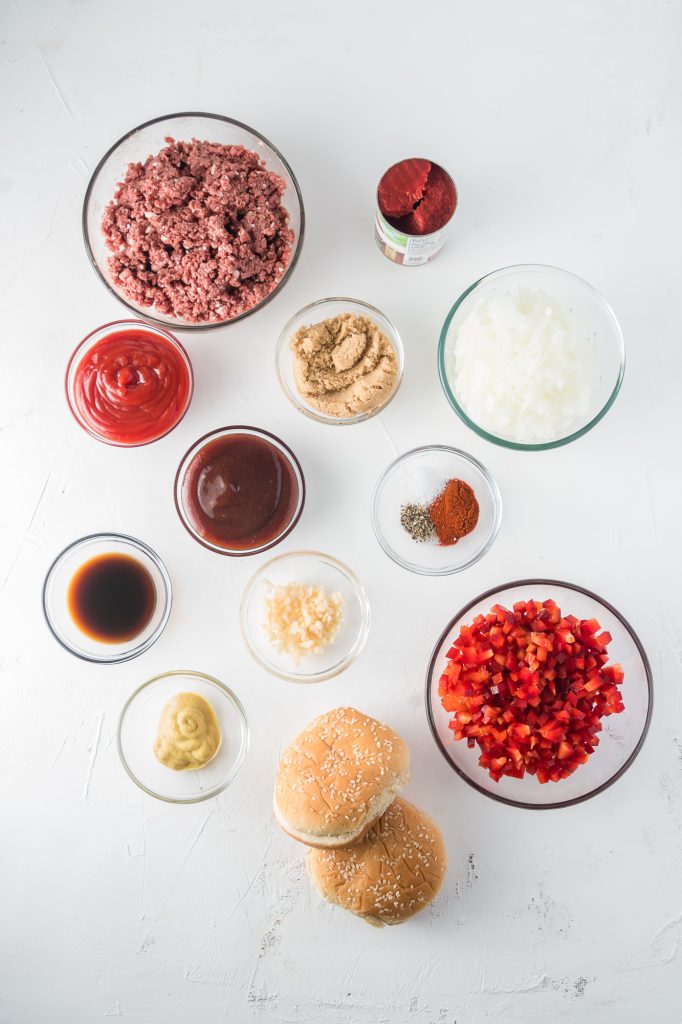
(523, 366)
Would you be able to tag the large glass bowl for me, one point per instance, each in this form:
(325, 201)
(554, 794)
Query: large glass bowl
(622, 734)
(315, 313)
(581, 299)
(149, 138)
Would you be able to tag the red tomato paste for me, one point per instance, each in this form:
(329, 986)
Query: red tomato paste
(417, 197)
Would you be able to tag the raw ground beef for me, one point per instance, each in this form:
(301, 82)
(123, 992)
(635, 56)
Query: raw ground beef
(198, 231)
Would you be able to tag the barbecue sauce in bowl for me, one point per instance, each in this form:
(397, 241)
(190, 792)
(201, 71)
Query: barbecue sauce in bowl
(240, 492)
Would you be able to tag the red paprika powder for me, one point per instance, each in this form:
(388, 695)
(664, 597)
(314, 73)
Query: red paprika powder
(454, 512)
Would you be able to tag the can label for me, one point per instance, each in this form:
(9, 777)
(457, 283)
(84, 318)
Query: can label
(408, 250)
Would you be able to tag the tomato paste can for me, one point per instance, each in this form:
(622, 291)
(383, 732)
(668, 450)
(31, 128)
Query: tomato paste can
(398, 237)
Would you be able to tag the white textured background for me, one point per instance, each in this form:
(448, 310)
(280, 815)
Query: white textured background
(561, 124)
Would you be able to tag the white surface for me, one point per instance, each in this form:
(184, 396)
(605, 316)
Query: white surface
(561, 125)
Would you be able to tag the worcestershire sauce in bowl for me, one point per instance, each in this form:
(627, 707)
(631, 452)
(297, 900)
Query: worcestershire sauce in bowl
(111, 598)
(240, 492)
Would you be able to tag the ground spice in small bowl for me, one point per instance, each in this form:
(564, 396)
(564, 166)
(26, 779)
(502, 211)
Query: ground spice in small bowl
(454, 512)
(451, 515)
(416, 521)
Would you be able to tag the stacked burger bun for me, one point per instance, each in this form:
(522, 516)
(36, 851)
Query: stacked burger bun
(370, 851)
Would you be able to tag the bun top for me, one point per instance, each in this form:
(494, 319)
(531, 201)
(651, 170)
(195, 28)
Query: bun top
(390, 874)
(339, 773)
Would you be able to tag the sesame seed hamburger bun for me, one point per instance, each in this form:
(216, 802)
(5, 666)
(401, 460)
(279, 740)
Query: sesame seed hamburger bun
(391, 874)
(337, 777)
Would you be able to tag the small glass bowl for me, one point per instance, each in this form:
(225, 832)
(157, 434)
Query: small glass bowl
(55, 592)
(138, 726)
(315, 568)
(402, 482)
(89, 343)
(315, 313)
(224, 432)
(149, 138)
(581, 298)
(622, 735)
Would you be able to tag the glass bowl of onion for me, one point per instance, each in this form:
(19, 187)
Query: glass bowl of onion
(531, 357)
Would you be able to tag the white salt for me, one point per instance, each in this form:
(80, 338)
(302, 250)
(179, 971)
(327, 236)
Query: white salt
(421, 485)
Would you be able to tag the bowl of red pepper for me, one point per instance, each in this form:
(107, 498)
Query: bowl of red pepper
(539, 694)
(436, 510)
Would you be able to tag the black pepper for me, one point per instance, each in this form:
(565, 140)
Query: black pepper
(416, 521)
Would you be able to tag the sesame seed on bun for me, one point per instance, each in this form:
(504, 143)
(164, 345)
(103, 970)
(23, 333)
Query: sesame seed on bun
(337, 777)
(391, 874)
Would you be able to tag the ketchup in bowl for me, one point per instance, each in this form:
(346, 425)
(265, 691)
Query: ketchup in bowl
(129, 383)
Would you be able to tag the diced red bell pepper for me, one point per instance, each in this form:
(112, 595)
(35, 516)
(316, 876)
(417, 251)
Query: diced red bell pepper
(530, 687)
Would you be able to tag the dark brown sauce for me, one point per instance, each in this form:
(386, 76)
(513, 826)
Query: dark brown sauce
(240, 492)
(111, 598)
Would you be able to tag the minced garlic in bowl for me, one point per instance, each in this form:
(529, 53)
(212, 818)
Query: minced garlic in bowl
(302, 619)
(304, 616)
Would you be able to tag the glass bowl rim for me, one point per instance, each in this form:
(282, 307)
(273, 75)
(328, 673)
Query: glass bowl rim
(171, 117)
(167, 591)
(554, 805)
(233, 699)
(313, 414)
(494, 492)
(493, 438)
(105, 329)
(197, 445)
(360, 641)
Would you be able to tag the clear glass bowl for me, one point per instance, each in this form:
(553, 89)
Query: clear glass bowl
(93, 339)
(578, 296)
(224, 432)
(622, 735)
(138, 726)
(55, 603)
(315, 313)
(315, 568)
(149, 138)
(406, 481)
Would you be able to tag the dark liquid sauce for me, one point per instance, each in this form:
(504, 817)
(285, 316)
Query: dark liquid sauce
(111, 598)
(240, 492)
